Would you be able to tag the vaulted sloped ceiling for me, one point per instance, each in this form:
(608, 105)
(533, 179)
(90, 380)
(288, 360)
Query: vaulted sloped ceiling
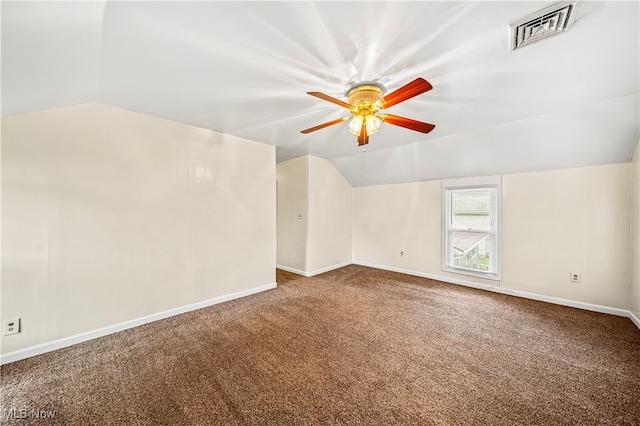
(244, 68)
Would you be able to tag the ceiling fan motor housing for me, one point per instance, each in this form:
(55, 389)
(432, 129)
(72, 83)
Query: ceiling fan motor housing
(365, 96)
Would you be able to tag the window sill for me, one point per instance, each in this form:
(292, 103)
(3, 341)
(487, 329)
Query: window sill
(472, 273)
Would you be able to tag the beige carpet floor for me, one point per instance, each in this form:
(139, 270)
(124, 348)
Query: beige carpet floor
(355, 346)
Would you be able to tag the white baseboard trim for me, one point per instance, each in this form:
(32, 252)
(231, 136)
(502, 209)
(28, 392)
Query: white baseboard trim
(328, 268)
(316, 272)
(496, 289)
(94, 334)
(634, 318)
(293, 270)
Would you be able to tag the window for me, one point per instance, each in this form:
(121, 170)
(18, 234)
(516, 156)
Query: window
(471, 243)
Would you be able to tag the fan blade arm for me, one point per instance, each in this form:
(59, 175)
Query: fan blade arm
(330, 99)
(408, 91)
(363, 138)
(408, 123)
(322, 126)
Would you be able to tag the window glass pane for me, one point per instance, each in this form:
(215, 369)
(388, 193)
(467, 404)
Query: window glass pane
(471, 210)
(471, 226)
(472, 250)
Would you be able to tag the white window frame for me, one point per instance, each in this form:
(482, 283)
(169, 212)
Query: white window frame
(495, 184)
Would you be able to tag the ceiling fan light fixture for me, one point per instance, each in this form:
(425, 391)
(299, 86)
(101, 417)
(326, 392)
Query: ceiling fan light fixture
(373, 124)
(366, 101)
(355, 125)
(364, 118)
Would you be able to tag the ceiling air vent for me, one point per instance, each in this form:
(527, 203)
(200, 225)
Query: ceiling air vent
(544, 23)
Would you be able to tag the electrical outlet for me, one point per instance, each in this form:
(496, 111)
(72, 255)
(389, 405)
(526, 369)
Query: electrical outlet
(574, 278)
(11, 326)
(401, 254)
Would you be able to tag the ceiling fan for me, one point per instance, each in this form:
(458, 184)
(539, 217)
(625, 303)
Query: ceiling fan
(366, 99)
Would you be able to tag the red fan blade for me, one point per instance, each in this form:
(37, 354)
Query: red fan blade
(363, 139)
(330, 99)
(322, 126)
(408, 123)
(408, 91)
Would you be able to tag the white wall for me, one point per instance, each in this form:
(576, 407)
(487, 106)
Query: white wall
(330, 209)
(388, 219)
(314, 215)
(110, 215)
(555, 222)
(572, 220)
(635, 233)
(293, 207)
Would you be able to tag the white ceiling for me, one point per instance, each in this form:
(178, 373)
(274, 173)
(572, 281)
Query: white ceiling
(244, 68)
